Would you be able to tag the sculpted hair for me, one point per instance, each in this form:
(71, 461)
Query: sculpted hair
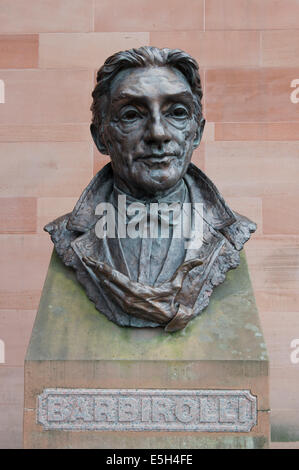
(143, 57)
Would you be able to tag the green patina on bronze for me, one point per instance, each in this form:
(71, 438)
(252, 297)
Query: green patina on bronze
(68, 326)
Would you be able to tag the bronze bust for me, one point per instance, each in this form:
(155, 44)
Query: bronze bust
(147, 116)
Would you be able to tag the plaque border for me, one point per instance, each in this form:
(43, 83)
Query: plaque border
(153, 427)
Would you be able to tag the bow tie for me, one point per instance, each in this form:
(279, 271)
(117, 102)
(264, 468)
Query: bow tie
(154, 215)
(155, 209)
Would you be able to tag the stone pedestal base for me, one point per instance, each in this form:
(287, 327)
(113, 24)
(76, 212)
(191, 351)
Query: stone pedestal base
(92, 384)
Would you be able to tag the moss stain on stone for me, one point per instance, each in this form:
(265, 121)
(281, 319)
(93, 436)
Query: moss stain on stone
(68, 326)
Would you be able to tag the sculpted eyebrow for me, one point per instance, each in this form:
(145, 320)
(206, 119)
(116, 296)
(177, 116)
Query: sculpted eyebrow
(127, 96)
(142, 99)
(182, 95)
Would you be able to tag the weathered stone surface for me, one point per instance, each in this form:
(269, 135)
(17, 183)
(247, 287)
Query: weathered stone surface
(68, 326)
(73, 346)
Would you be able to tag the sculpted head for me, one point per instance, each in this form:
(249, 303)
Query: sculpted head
(147, 116)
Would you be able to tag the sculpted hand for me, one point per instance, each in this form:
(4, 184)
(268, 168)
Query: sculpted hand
(157, 304)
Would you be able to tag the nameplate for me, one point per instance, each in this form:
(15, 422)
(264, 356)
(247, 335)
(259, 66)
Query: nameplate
(147, 410)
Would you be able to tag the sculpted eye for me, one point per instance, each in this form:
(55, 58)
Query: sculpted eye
(178, 112)
(130, 115)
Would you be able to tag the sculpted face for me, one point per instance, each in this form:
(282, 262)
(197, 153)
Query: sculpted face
(150, 129)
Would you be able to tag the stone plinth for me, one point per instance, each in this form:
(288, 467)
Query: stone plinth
(92, 384)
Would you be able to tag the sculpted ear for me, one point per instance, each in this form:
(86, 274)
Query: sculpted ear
(199, 133)
(97, 140)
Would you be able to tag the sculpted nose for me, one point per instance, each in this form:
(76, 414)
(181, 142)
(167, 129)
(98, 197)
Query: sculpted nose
(156, 132)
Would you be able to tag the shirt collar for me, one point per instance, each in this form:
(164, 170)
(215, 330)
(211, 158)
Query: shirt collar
(178, 194)
(200, 188)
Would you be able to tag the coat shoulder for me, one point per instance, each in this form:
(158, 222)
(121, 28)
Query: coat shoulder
(62, 238)
(240, 231)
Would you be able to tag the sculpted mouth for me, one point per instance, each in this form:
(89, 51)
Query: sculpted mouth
(156, 158)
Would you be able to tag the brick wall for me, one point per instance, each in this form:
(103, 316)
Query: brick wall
(248, 52)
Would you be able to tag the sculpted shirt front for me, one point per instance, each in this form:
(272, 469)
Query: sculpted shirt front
(148, 259)
(152, 260)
